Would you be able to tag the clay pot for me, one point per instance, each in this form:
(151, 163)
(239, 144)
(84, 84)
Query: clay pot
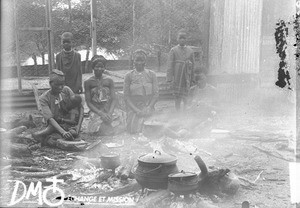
(183, 183)
(153, 169)
(110, 161)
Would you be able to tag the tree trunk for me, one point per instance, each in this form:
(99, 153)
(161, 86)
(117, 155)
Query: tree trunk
(86, 67)
(70, 13)
(43, 58)
(35, 64)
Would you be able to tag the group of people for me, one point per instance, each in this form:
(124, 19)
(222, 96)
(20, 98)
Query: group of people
(62, 106)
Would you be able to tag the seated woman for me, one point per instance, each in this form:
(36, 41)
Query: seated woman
(61, 109)
(140, 93)
(100, 98)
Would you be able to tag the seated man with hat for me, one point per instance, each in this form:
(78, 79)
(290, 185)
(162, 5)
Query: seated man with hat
(61, 109)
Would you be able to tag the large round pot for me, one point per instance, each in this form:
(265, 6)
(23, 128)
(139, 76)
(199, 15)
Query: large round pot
(183, 183)
(153, 169)
(110, 161)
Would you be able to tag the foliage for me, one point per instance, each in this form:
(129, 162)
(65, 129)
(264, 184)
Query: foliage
(155, 24)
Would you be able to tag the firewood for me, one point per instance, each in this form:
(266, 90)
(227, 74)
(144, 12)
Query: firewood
(132, 187)
(17, 162)
(29, 169)
(13, 132)
(170, 133)
(271, 153)
(17, 150)
(34, 174)
(104, 175)
(126, 171)
(154, 198)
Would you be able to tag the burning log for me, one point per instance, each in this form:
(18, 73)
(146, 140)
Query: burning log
(119, 171)
(217, 181)
(154, 198)
(104, 175)
(127, 168)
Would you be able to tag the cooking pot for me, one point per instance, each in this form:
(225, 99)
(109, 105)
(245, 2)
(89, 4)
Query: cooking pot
(183, 183)
(153, 129)
(153, 169)
(110, 161)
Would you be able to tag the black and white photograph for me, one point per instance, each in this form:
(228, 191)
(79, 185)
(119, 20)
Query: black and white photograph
(150, 103)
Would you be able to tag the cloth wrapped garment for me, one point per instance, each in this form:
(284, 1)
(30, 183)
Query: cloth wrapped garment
(70, 64)
(181, 69)
(101, 99)
(140, 88)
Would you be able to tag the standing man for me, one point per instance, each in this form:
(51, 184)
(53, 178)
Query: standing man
(69, 62)
(180, 70)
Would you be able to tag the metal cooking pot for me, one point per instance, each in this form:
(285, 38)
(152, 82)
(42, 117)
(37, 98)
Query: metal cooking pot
(153, 169)
(183, 183)
(110, 161)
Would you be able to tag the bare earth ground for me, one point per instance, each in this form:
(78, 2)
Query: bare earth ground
(258, 125)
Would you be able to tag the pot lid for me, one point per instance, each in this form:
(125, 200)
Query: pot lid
(110, 155)
(182, 174)
(157, 157)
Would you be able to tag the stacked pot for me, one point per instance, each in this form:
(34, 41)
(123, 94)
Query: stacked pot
(159, 171)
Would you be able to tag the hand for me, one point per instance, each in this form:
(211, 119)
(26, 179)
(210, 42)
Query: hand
(80, 90)
(73, 132)
(147, 111)
(140, 113)
(67, 135)
(59, 120)
(106, 117)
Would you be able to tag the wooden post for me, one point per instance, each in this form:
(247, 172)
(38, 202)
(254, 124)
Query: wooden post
(206, 35)
(133, 23)
(171, 24)
(297, 88)
(17, 48)
(50, 35)
(93, 27)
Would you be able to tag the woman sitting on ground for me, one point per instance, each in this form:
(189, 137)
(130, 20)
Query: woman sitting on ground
(61, 109)
(101, 99)
(140, 93)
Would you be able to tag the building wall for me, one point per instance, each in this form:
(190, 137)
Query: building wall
(235, 29)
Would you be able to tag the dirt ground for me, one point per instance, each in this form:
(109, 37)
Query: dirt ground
(251, 134)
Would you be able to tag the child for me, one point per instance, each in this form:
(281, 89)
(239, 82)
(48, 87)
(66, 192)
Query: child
(180, 70)
(69, 62)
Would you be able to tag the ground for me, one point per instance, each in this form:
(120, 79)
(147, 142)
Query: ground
(264, 177)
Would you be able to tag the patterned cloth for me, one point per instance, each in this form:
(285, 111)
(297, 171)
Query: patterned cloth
(181, 69)
(54, 106)
(70, 64)
(102, 100)
(140, 88)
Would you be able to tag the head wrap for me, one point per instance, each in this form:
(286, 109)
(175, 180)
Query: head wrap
(140, 52)
(98, 59)
(67, 35)
(56, 75)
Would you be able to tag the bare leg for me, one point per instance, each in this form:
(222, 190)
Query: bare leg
(41, 135)
(177, 103)
(185, 103)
